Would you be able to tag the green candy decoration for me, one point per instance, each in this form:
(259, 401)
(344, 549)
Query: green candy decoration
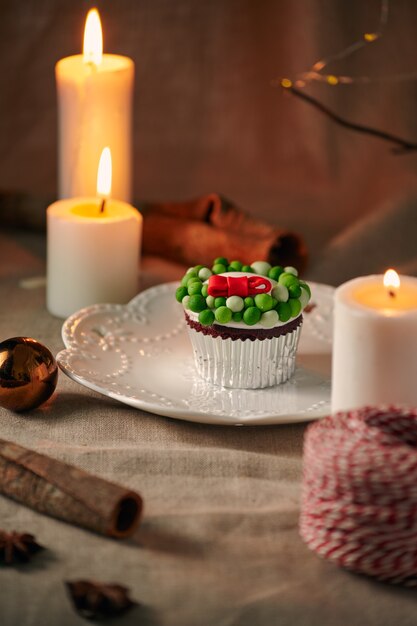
(221, 260)
(188, 277)
(197, 303)
(295, 306)
(186, 302)
(247, 268)
(194, 287)
(197, 268)
(235, 266)
(284, 311)
(206, 317)
(287, 279)
(204, 273)
(219, 268)
(237, 316)
(211, 302)
(261, 267)
(251, 316)
(269, 319)
(204, 291)
(275, 272)
(180, 293)
(264, 302)
(249, 302)
(294, 290)
(235, 303)
(223, 315)
(220, 301)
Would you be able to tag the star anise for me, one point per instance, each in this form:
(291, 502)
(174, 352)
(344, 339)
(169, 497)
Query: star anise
(95, 600)
(17, 547)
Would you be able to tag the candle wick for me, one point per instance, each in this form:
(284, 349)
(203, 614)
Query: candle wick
(102, 206)
(391, 293)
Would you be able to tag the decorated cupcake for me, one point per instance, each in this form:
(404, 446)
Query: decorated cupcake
(244, 321)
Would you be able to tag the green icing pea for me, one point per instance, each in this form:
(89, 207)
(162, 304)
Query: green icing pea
(237, 316)
(295, 306)
(180, 293)
(286, 279)
(235, 303)
(235, 266)
(204, 273)
(220, 301)
(194, 287)
(206, 317)
(247, 268)
(221, 260)
(284, 311)
(291, 270)
(197, 303)
(275, 272)
(280, 293)
(249, 302)
(306, 287)
(188, 276)
(186, 302)
(251, 316)
(223, 315)
(219, 268)
(294, 290)
(211, 302)
(204, 291)
(261, 267)
(269, 319)
(264, 302)
(197, 268)
(274, 302)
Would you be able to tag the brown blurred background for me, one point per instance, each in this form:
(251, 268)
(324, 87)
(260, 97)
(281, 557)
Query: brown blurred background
(206, 115)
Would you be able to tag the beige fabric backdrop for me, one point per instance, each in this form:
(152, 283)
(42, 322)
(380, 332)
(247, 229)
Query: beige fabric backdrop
(206, 116)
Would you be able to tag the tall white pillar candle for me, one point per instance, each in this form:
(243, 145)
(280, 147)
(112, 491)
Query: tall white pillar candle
(92, 256)
(94, 110)
(375, 343)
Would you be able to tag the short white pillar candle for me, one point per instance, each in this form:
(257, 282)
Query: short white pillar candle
(375, 343)
(93, 248)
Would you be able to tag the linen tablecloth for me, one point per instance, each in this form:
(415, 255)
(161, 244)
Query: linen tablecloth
(218, 544)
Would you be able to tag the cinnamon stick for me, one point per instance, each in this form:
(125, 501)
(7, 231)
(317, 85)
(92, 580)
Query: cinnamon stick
(67, 492)
(190, 242)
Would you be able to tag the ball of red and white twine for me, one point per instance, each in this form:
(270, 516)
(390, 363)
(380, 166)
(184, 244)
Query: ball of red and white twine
(359, 497)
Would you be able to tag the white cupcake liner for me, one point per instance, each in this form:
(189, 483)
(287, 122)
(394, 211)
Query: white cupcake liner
(245, 364)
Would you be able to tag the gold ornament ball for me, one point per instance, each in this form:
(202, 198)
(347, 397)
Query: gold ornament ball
(28, 374)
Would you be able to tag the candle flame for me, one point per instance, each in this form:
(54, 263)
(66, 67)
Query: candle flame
(93, 38)
(104, 174)
(391, 280)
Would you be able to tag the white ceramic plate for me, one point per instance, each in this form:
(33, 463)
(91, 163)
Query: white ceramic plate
(141, 355)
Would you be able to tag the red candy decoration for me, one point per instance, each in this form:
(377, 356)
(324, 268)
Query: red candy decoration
(225, 286)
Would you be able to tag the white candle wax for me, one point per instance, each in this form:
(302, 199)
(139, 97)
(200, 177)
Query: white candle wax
(92, 257)
(375, 344)
(94, 110)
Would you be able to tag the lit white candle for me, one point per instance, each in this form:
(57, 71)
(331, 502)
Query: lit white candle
(94, 110)
(93, 248)
(375, 342)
